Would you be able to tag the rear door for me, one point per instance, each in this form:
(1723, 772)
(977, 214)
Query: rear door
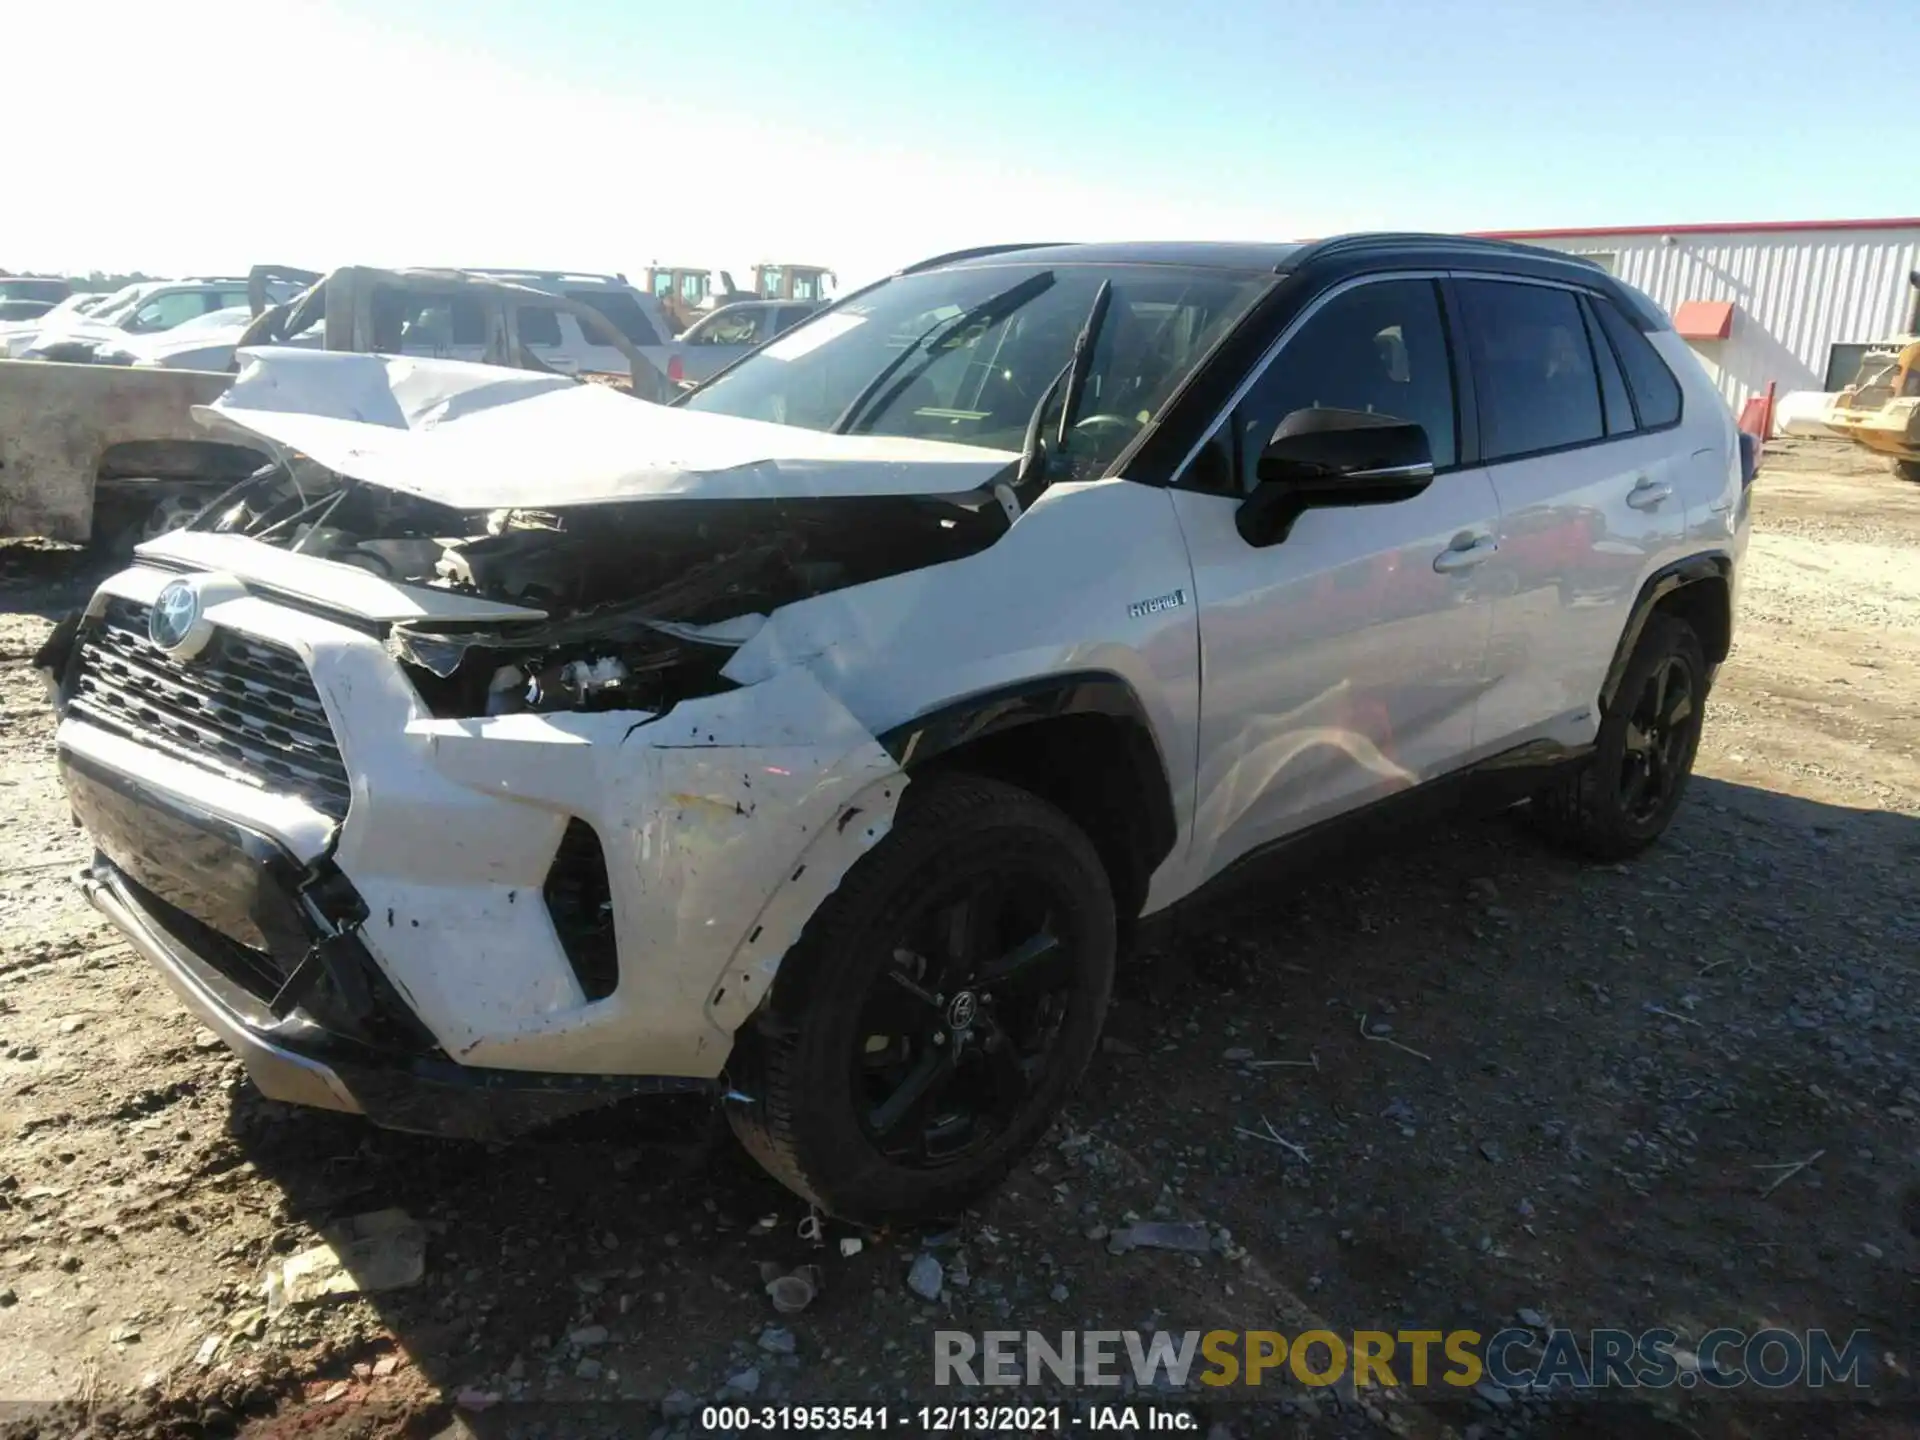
(1341, 664)
(1589, 498)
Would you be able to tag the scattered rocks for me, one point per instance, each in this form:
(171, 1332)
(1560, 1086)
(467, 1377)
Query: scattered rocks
(1189, 1237)
(588, 1369)
(381, 1250)
(679, 1405)
(778, 1340)
(1531, 1318)
(927, 1277)
(1492, 1151)
(745, 1382)
(587, 1336)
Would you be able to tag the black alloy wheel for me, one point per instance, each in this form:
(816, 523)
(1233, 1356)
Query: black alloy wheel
(958, 1028)
(936, 1010)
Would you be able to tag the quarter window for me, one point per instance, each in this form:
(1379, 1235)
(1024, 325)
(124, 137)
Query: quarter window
(1532, 368)
(1613, 385)
(1656, 394)
(1379, 347)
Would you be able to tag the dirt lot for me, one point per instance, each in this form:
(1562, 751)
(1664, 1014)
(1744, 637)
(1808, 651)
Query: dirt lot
(1563, 1099)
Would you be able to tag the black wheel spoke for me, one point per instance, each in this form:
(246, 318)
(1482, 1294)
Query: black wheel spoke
(899, 1005)
(1635, 787)
(1006, 1070)
(1038, 963)
(1680, 710)
(912, 1103)
(966, 928)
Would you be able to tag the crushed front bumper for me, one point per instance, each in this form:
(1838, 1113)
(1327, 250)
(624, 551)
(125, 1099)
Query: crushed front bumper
(722, 825)
(352, 1047)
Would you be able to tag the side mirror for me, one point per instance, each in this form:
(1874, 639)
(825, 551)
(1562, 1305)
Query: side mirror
(1322, 457)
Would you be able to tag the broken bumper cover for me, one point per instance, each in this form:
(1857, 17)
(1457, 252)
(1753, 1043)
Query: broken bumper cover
(302, 1062)
(242, 879)
(723, 823)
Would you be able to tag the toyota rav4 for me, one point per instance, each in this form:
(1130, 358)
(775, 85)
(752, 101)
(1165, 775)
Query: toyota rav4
(513, 744)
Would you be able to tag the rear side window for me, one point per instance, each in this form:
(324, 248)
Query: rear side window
(1613, 385)
(539, 325)
(623, 310)
(1656, 394)
(1532, 367)
(1378, 347)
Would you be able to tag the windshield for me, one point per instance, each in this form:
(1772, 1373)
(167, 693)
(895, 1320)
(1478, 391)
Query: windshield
(966, 355)
(118, 303)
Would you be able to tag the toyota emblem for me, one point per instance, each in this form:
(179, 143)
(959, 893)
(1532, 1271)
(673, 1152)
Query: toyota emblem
(174, 614)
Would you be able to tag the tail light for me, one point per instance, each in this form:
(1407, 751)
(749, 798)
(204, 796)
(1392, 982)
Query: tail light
(676, 372)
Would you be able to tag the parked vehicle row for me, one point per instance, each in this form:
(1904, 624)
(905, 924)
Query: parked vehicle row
(197, 325)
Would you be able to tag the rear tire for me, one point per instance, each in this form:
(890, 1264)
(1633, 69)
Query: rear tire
(1907, 469)
(935, 1012)
(1623, 798)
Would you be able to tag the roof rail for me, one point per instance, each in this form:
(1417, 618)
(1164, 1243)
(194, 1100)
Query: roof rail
(553, 275)
(1399, 239)
(973, 254)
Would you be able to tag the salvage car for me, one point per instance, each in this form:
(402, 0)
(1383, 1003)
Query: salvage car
(818, 741)
(147, 308)
(19, 334)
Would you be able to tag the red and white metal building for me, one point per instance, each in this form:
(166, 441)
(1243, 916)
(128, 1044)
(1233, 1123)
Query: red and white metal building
(1791, 303)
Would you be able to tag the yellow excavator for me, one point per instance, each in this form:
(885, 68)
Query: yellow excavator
(1881, 409)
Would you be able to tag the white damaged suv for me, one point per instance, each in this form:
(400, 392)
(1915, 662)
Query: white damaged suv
(514, 744)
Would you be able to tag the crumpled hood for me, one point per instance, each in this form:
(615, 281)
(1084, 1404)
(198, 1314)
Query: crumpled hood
(480, 437)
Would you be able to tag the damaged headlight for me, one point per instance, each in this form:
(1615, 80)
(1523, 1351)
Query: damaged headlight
(638, 665)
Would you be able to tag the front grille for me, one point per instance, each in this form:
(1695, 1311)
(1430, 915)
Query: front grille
(243, 708)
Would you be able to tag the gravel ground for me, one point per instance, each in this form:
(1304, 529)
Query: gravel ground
(1532, 1090)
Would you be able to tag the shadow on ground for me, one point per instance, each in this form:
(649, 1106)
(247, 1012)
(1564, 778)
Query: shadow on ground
(1519, 1082)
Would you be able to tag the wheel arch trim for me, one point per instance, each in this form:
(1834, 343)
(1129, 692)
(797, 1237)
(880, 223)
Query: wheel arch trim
(1003, 708)
(1698, 569)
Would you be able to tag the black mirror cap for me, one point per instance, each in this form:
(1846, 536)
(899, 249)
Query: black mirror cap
(1322, 457)
(1324, 444)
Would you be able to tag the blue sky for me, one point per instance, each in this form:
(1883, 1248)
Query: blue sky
(603, 134)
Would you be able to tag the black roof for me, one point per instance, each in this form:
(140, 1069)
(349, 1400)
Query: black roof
(1255, 257)
(1320, 258)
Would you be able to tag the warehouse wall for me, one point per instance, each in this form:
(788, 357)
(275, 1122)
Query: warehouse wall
(1796, 293)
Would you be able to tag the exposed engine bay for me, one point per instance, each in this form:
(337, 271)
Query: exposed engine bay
(645, 601)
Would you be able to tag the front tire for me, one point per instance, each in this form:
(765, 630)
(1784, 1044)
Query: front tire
(1907, 469)
(935, 1012)
(1625, 796)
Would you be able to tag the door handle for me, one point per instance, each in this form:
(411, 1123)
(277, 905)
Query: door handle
(1477, 550)
(1648, 493)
